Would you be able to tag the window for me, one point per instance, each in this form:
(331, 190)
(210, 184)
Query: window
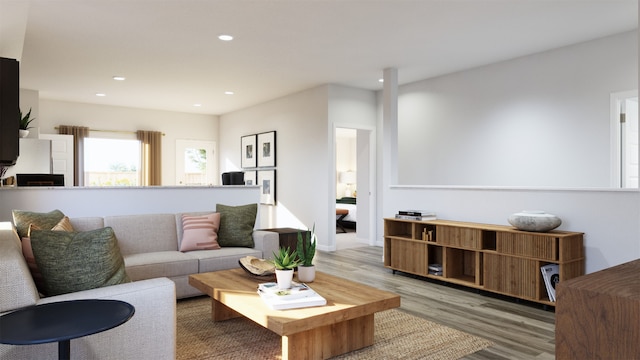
(111, 162)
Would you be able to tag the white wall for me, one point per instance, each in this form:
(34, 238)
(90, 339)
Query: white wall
(608, 218)
(175, 125)
(300, 122)
(305, 123)
(93, 201)
(540, 120)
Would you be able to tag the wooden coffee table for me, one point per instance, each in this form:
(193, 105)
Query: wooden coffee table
(345, 324)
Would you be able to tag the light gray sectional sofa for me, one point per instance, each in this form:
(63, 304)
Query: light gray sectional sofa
(159, 272)
(149, 244)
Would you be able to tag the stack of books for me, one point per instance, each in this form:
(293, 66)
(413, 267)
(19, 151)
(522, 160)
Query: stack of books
(298, 296)
(435, 269)
(420, 215)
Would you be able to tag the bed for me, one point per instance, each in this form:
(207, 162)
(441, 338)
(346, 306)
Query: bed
(349, 219)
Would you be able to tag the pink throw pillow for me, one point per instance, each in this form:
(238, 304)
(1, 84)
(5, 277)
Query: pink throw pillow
(200, 232)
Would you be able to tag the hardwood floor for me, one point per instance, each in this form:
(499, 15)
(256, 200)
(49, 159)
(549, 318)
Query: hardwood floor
(518, 330)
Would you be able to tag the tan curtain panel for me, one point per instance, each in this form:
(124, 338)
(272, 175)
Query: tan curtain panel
(79, 133)
(151, 171)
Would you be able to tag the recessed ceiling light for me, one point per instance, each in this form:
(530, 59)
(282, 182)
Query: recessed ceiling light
(380, 80)
(101, 94)
(119, 78)
(229, 92)
(197, 105)
(225, 37)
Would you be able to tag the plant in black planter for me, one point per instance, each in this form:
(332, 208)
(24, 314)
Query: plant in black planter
(307, 250)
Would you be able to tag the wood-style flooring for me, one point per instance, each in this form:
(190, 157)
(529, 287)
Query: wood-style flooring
(519, 330)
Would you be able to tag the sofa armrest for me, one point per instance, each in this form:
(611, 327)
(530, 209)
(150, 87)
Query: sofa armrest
(267, 241)
(149, 334)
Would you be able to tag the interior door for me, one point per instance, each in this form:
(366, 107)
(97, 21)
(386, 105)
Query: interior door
(195, 163)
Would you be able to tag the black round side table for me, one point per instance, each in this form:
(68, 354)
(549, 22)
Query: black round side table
(62, 321)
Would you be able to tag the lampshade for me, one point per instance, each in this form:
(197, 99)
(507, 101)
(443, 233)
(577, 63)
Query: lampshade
(347, 177)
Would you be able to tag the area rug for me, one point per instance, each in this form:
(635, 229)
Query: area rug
(398, 335)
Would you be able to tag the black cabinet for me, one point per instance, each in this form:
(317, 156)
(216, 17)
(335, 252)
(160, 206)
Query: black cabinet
(9, 111)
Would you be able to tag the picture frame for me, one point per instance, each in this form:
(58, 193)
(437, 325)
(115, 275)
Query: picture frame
(267, 183)
(248, 151)
(266, 149)
(250, 178)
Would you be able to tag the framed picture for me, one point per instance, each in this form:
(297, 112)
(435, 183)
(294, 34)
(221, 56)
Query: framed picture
(267, 183)
(267, 149)
(250, 178)
(248, 151)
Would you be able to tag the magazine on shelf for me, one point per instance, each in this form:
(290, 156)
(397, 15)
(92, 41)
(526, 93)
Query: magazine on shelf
(551, 278)
(413, 217)
(417, 213)
(299, 296)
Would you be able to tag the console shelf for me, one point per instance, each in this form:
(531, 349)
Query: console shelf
(493, 258)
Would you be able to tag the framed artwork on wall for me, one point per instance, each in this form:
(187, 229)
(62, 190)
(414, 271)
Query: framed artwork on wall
(248, 151)
(267, 183)
(250, 178)
(267, 149)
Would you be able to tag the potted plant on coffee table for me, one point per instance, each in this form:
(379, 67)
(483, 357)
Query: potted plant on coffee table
(306, 251)
(285, 261)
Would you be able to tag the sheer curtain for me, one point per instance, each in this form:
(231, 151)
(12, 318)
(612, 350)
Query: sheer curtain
(151, 154)
(79, 133)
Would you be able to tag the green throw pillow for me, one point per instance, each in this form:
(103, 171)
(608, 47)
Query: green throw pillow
(236, 225)
(76, 261)
(22, 219)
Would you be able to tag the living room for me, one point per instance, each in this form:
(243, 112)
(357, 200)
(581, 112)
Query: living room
(305, 122)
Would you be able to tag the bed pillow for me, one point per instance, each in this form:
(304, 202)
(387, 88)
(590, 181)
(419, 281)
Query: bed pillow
(76, 261)
(23, 219)
(200, 232)
(236, 225)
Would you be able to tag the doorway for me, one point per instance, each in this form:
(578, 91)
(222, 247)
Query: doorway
(195, 163)
(354, 185)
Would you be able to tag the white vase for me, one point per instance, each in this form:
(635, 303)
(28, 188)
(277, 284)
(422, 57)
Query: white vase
(284, 278)
(534, 220)
(24, 133)
(306, 274)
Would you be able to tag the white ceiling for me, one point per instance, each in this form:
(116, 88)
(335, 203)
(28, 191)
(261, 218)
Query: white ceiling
(171, 57)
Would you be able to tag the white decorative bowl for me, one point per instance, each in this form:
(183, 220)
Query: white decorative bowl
(534, 220)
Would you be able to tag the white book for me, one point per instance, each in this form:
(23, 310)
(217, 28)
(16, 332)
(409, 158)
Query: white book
(297, 290)
(282, 302)
(550, 275)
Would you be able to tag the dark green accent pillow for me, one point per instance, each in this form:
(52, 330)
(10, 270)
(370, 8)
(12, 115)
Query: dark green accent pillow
(22, 219)
(76, 261)
(236, 225)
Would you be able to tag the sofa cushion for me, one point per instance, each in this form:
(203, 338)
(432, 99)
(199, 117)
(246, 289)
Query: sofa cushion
(200, 232)
(27, 251)
(236, 225)
(75, 261)
(138, 234)
(223, 259)
(160, 264)
(17, 289)
(22, 219)
(87, 223)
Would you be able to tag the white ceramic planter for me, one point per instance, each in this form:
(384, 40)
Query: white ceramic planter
(306, 274)
(284, 278)
(534, 220)
(23, 133)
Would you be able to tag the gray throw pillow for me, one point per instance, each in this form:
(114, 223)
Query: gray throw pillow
(236, 225)
(23, 219)
(76, 261)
